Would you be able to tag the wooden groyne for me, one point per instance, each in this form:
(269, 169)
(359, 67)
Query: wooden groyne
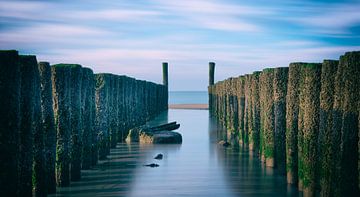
(57, 120)
(302, 120)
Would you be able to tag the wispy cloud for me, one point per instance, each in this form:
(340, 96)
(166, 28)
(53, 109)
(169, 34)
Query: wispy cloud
(134, 37)
(213, 14)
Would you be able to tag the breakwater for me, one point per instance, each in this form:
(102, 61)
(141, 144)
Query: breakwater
(57, 120)
(302, 120)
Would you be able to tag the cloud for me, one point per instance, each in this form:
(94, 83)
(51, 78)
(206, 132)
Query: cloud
(330, 19)
(214, 15)
(133, 38)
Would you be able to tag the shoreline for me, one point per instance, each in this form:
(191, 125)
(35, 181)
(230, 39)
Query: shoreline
(189, 106)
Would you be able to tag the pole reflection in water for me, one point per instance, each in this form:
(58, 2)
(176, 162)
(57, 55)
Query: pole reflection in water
(198, 167)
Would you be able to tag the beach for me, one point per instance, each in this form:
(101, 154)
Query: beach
(189, 106)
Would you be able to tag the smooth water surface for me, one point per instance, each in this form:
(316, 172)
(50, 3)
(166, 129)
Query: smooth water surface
(188, 97)
(198, 167)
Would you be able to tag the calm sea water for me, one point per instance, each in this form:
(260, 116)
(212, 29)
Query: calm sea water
(198, 167)
(188, 97)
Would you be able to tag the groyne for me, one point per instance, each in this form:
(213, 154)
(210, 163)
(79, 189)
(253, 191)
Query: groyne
(302, 120)
(57, 120)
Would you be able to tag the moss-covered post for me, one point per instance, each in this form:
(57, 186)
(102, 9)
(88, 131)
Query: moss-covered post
(292, 116)
(325, 140)
(254, 138)
(10, 79)
(211, 73)
(345, 117)
(234, 111)
(280, 88)
(102, 125)
(248, 109)
(87, 106)
(27, 123)
(241, 108)
(48, 125)
(121, 103)
(76, 121)
(308, 126)
(112, 111)
(92, 119)
(268, 124)
(166, 80)
(60, 76)
(211, 83)
(39, 165)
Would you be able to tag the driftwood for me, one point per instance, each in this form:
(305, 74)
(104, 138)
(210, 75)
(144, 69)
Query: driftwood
(165, 127)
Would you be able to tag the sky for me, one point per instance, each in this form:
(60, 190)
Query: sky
(134, 37)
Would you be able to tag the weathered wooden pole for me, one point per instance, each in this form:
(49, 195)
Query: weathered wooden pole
(102, 113)
(254, 138)
(60, 76)
(10, 79)
(268, 120)
(165, 73)
(309, 106)
(48, 125)
(166, 82)
(92, 119)
(211, 73)
(241, 108)
(292, 116)
(28, 123)
(325, 139)
(76, 121)
(248, 109)
(39, 165)
(280, 88)
(345, 117)
(87, 107)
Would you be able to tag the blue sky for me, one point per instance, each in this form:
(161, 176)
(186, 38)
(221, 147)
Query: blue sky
(134, 37)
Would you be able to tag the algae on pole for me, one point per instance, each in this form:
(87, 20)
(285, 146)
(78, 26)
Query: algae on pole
(39, 166)
(325, 140)
(47, 113)
(60, 76)
(292, 116)
(345, 119)
(266, 87)
(76, 121)
(241, 108)
(254, 126)
(102, 112)
(88, 108)
(27, 124)
(308, 126)
(280, 88)
(9, 121)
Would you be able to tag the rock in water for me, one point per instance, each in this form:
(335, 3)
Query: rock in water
(224, 143)
(159, 157)
(160, 137)
(153, 165)
(155, 135)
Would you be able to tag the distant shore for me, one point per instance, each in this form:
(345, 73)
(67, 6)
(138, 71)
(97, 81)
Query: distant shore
(189, 106)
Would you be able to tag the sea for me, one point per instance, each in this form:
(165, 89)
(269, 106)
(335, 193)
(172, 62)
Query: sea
(198, 167)
(188, 97)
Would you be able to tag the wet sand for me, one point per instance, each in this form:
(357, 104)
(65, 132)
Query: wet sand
(189, 106)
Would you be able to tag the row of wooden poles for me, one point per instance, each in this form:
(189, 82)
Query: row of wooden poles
(57, 120)
(302, 120)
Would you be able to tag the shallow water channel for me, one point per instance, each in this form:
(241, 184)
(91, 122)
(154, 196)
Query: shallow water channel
(197, 167)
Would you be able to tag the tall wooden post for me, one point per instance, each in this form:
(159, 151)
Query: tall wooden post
(166, 81)
(165, 74)
(211, 73)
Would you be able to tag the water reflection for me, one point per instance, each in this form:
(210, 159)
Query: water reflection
(198, 167)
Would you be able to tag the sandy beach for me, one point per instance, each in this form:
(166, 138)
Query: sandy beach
(189, 106)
